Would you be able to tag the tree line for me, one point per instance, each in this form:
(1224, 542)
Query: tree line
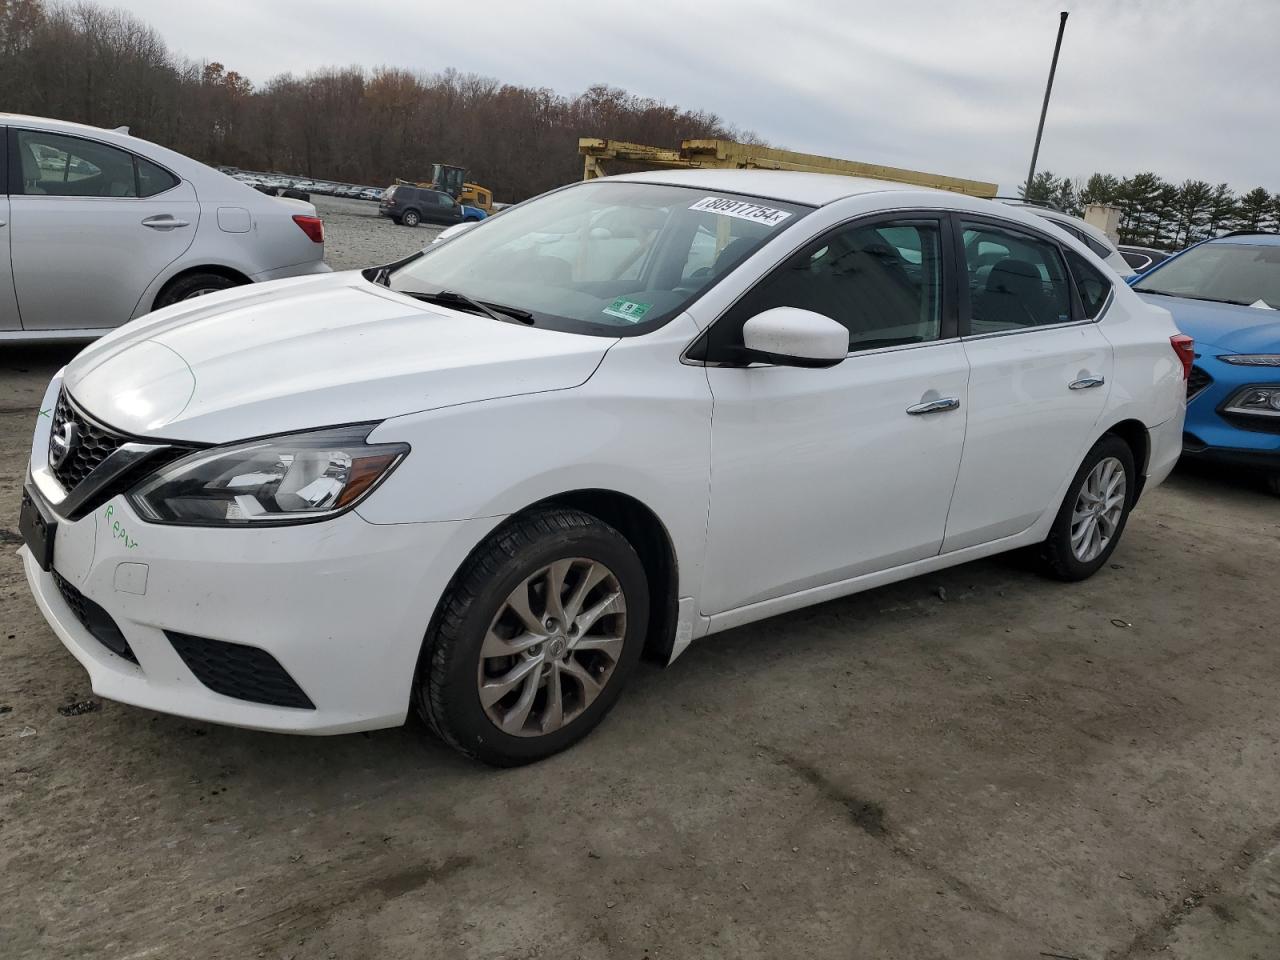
(105, 67)
(1157, 213)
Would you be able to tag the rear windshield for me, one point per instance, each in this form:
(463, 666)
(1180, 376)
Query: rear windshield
(612, 258)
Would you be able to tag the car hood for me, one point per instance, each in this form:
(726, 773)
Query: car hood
(1226, 326)
(311, 352)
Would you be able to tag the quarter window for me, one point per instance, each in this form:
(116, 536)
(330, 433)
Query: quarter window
(1016, 280)
(1093, 286)
(882, 281)
(153, 179)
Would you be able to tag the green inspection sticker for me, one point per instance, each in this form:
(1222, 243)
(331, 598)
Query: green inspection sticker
(628, 310)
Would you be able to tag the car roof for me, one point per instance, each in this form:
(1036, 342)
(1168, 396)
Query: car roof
(1254, 239)
(814, 189)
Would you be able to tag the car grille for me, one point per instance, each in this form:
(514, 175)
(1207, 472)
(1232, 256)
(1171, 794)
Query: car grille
(240, 671)
(94, 619)
(94, 443)
(1197, 382)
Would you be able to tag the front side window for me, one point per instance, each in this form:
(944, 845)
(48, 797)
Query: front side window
(609, 258)
(882, 281)
(1240, 273)
(55, 165)
(1016, 280)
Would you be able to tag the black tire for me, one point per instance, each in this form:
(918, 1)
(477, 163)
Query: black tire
(1056, 557)
(193, 285)
(1273, 483)
(410, 218)
(446, 692)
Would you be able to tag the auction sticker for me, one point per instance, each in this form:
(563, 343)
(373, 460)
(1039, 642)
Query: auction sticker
(742, 210)
(628, 310)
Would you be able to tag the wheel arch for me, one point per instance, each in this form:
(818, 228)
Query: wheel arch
(649, 537)
(1138, 438)
(219, 269)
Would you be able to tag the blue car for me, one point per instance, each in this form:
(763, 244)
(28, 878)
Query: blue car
(1225, 293)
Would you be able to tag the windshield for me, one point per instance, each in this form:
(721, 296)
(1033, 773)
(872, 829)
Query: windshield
(1241, 273)
(610, 258)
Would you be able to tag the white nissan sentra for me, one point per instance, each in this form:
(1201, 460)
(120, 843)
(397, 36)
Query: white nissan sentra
(616, 419)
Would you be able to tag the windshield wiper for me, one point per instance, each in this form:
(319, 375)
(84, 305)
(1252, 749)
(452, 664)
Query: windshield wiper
(494, 311)
(1192, 296)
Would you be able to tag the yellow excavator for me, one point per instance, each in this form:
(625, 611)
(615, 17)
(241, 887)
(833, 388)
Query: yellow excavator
(452, 180)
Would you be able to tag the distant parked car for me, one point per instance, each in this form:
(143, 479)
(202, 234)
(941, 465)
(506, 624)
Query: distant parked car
(1225, 294)
(1143, 259)
(472, 214)
(371, 193)
(411, 205)
(125, 227)
(1086, 233)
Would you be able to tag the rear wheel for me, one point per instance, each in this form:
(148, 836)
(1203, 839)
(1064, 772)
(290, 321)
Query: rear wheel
(410, 218)
(1093, 513)
(534, 638)
(193, 285)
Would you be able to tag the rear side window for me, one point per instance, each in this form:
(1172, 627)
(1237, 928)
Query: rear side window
(1093, 286)
(51, 164)
(1016, 280)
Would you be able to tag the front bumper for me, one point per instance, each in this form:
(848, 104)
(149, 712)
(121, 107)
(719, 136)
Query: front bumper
(341, 605)
(1212, 434)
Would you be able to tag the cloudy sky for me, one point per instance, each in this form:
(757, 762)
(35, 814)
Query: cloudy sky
(1187, 88)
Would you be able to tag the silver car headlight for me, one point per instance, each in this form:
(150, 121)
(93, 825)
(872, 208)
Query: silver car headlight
(289, 479)
(1252, 359)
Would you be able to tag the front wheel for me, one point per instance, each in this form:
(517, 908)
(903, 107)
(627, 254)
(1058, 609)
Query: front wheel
(534, 638)
(1093, 513)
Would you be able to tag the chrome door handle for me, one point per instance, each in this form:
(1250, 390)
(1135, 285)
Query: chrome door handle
(164, 222)
(934, 406)
(1084, 383)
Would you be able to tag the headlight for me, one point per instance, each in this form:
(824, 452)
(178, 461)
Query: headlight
(290, 479)
(1253, 359)
(1264, 401)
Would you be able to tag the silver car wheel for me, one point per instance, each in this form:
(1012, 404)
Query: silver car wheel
(201, 291)
(1098, 510)
(552, 647)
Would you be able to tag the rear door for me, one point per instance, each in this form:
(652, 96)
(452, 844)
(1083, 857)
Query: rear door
(8, 300)
(91, 225)
(1039, 372)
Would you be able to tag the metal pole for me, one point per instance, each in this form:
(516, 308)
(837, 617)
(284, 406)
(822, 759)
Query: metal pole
(1044, 109)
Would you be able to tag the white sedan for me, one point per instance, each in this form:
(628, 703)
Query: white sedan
(98, 227)
(614, 420)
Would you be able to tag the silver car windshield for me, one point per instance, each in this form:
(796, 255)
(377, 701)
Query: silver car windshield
(610, 258)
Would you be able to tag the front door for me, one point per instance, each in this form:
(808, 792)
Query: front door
(90, 226)
(822, 475)
(1040, 375)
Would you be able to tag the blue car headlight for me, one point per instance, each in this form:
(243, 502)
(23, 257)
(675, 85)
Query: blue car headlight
(1258, 401)
(1252, 359)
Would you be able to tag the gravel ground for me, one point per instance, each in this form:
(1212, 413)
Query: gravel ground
(980, 763)
(355, 236)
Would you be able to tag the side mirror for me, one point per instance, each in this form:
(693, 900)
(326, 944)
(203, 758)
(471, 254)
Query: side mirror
(791, 337)
(450, 232)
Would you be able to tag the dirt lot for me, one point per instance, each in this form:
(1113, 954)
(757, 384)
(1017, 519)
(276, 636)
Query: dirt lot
(976, 764)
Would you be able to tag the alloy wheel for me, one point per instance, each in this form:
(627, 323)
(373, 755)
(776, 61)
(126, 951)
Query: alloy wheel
(552, 647)
(1098, 510)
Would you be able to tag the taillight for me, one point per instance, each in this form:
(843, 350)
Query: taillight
(1184, 347)
(313, 227)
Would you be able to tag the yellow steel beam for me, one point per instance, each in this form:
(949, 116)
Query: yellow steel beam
(728, 154)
